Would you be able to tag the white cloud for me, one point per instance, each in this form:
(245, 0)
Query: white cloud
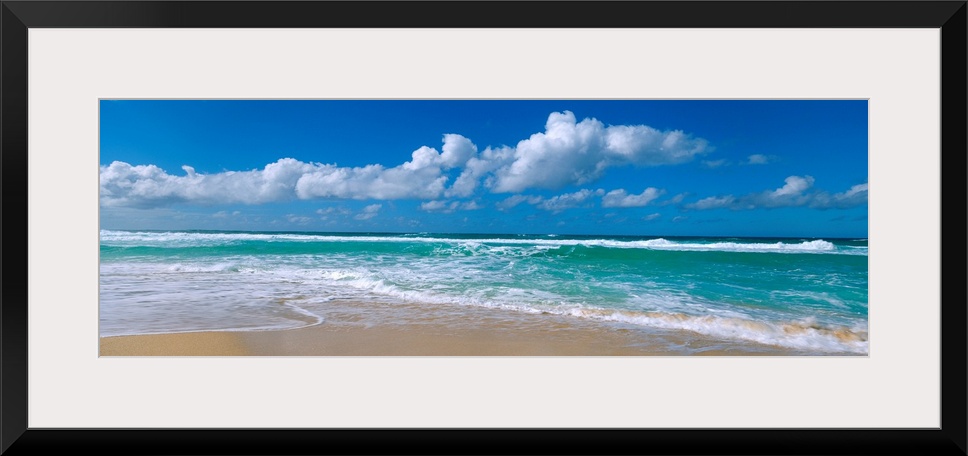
(619, 198)
(715, 163)
(333, 210)
(569, 200)
(570, 152)
(567, 152)
(854, 196)
(795, 185)
(286, 179)
(559, 203)
(789, 195)
(651, 217)
(419, 178)
(144, 186)
(368, 212)
(646, 146)
(512, 201)
(447, 208)
(456, 151)
(439, 206)
(674, 200)
(226, 214)
(325, 214)
(713, 202)
(854, 191)
(555, 203)
(792, 194)
(431, 206)
(302, 220)
(477, 167)
(758, 159)
(470, 206)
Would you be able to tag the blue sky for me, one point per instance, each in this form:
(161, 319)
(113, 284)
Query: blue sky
(638, 167)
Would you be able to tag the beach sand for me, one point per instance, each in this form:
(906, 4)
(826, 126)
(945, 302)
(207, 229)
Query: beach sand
(354, 329)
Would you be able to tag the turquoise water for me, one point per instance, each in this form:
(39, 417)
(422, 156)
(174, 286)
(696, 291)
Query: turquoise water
(804, 294)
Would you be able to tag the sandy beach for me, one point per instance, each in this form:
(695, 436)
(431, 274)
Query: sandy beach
(432, 330)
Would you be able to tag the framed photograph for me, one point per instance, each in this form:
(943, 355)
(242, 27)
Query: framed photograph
(579, 239)
(356, 223)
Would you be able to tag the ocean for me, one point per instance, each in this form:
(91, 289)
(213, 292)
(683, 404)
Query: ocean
(805, 296)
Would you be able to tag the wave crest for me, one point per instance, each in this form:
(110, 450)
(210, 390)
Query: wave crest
(185, 239)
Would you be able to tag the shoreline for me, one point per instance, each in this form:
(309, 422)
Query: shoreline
(435, 330)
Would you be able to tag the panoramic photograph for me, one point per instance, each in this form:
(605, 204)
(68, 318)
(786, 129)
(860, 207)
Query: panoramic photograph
(483, 228)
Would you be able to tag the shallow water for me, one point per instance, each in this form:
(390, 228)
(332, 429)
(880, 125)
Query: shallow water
(809, 295)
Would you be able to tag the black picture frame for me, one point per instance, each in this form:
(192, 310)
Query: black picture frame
(18, 16)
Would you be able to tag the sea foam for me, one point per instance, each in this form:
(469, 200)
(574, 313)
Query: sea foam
(160, 282)
(185, 239)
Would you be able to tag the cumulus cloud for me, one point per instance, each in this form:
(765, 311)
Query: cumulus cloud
(758, 159)
(422, 177)
(419, 178)
(512, 201)
(325, 214)
(674, 200)
(333, 210)
(794, 185)
(569, 200)
(554, 204)
(713, 202)
(477, 168)
(619, 198)
(369, 212)
(569, 152)
(854, 196)
(793, 193)
(447, 208)
(790, 194)
(145, 186)
(456, 151)
(559, 203)
(471, 206)
(433, 206)
(226, 214)
(302, 220)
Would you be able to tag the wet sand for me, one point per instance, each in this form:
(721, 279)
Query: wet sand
(432, 331)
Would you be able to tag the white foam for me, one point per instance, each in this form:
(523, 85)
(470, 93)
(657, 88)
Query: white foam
(722, 323)
(294, 284)
(217, 267)
(805, 334)
(183, 239)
